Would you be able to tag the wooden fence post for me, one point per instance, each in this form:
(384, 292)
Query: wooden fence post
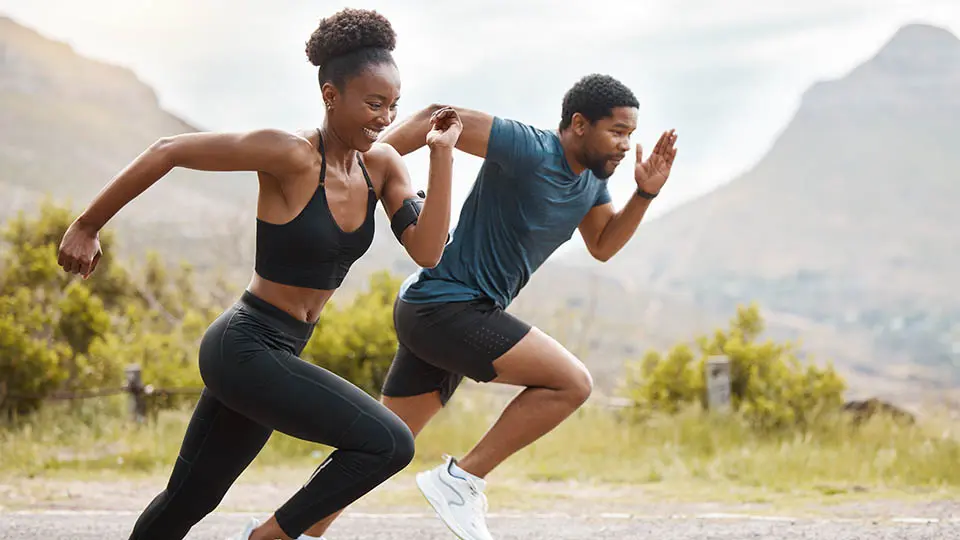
(138, 405)
(718, 383)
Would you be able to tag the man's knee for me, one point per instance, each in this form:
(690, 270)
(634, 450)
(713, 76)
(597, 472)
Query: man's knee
(579, 386)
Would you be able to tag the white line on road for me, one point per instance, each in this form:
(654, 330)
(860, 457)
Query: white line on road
(514, 515)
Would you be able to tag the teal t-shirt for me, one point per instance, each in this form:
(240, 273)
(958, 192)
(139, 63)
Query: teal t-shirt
(525, 203)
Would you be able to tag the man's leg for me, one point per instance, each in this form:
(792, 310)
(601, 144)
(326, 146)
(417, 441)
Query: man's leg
(479, 340)
(557, 384)
(443, 342)
(415, 411)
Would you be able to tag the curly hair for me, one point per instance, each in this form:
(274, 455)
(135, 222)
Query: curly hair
(595, 96)
(349, 41)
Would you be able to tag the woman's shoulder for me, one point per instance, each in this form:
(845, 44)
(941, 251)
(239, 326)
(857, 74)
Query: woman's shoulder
(381, 152)
(310, 136)
(381, 157)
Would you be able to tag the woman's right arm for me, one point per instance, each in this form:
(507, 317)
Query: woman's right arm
(274, 152)
(420, 226)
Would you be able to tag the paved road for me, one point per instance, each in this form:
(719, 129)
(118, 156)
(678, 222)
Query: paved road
(71, 525)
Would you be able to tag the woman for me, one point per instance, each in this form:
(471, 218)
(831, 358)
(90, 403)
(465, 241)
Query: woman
(314, 219)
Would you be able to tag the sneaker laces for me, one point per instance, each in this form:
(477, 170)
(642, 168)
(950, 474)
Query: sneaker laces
(475, 490)
(472, 484)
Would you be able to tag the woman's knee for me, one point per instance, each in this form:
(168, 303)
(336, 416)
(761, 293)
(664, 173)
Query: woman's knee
(404, 446)
(387, 439)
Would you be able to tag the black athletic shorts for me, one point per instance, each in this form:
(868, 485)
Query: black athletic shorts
(440, 343)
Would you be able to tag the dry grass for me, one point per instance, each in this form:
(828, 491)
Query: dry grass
(594, 446)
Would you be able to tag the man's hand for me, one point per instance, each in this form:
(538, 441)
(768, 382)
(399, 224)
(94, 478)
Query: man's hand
(652, 174)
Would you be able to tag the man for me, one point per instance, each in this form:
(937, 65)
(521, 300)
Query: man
(534, 188)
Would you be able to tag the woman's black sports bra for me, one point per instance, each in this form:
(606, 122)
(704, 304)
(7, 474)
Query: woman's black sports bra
(311, 250)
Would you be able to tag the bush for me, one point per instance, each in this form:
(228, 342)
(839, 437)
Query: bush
(358, 342)
(29, 366)
(59, 333)
(770, 388)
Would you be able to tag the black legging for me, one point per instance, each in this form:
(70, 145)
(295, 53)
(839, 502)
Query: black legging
(255, 383)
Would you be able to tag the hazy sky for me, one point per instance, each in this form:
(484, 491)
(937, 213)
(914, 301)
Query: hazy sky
(728, 75)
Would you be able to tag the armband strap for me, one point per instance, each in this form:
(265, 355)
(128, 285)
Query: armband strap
(406, 216)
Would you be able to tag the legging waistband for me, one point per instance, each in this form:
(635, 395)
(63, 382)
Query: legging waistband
(283, 320)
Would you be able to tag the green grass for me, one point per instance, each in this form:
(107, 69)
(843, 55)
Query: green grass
(595, 446)
(700, 454)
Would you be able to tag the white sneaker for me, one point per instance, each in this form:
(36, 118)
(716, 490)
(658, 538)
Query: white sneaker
(460, 502)
(247, 531)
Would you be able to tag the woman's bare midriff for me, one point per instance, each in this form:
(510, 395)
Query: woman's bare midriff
(302, 303)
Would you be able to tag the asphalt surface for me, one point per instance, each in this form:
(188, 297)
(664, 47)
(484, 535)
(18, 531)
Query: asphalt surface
(90, 525)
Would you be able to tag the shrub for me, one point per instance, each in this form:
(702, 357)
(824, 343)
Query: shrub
(770, 388)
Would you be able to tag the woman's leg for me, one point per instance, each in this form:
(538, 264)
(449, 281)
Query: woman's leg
(279, 390)
(217, 447)
(416, 412)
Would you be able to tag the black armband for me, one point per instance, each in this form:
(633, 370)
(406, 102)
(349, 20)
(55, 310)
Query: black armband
(407, 215)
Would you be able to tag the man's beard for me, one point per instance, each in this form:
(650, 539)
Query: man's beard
(598, 167)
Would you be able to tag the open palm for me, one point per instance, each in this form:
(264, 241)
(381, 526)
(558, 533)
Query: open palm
(652, 174)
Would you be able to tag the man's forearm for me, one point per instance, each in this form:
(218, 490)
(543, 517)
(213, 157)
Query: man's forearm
(621, 227)
(410, 134)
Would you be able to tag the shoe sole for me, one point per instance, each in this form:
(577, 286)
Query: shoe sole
(438, 503)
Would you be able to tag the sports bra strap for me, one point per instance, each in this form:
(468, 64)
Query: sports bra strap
(323, 163)
(366, 176)
(323, 157)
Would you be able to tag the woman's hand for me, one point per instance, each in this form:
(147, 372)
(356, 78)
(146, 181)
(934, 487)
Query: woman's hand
(79, 250)
(446, 128)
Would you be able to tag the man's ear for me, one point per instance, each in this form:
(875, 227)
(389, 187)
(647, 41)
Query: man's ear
(579, 124)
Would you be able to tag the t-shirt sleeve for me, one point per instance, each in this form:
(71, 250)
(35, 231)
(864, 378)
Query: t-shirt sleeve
(603, 195)
(515, 146)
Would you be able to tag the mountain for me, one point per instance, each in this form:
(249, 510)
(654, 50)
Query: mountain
(76, 122)
(848, 228)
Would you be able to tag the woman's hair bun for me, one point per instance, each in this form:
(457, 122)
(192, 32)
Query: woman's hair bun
(349, 30)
